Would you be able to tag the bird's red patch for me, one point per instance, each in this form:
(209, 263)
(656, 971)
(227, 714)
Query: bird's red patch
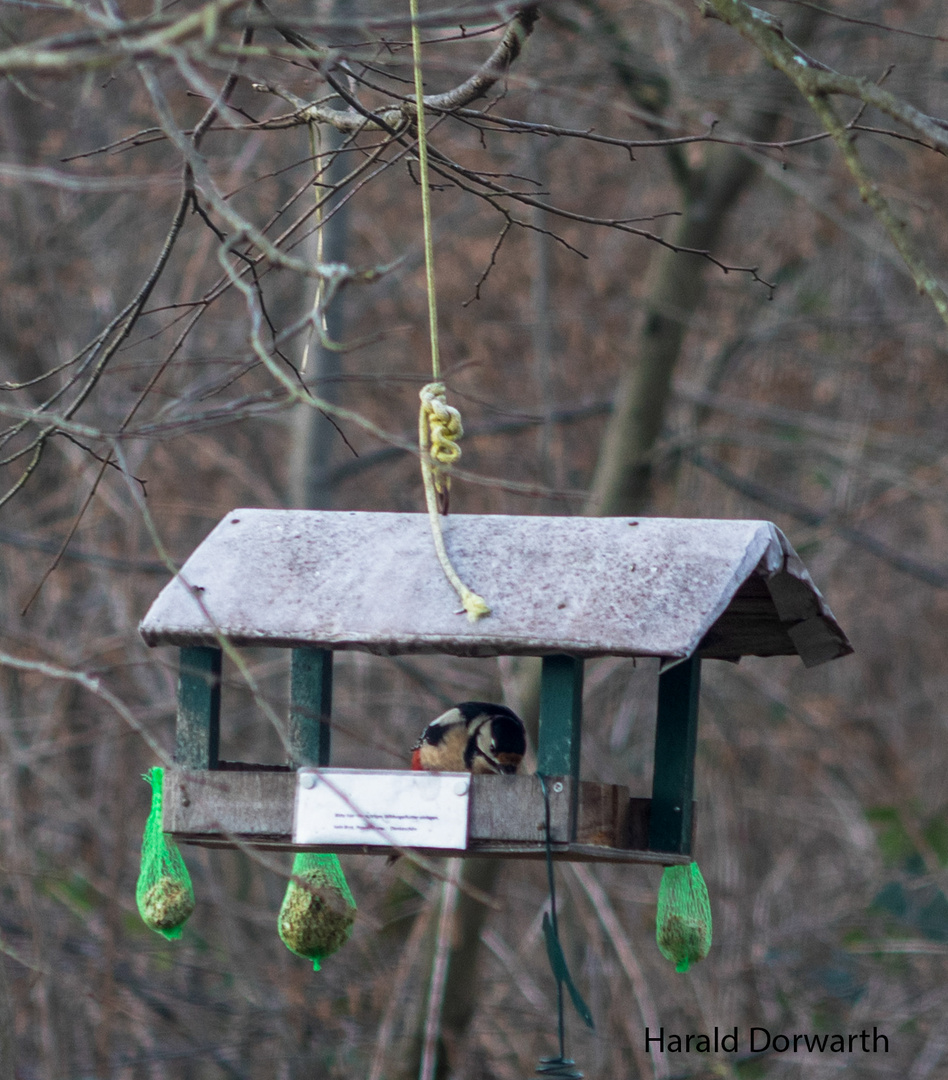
(416, 760)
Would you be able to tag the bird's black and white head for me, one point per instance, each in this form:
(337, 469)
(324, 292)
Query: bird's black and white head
(496, 738)
(475, 736)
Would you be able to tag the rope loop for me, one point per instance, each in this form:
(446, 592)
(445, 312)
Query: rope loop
(439, 428)
(444, 429)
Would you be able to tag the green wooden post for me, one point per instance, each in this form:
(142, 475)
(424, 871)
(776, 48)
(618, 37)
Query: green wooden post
(561, 721)
(676, 739)
(197, 736)
(310, 733)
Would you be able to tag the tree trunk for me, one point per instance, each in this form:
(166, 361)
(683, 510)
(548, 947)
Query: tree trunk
(314, 436)
(622, 479)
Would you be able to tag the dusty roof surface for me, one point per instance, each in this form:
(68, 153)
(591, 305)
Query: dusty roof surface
(663, 587)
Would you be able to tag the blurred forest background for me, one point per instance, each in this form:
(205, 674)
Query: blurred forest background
(152, 337)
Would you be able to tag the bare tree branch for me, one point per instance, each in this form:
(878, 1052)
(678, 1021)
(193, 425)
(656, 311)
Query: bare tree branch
(816, 82)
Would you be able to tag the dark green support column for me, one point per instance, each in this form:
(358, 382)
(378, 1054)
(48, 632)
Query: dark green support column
(561, 721)
(676, 739)
(310, 733)
(199, 708)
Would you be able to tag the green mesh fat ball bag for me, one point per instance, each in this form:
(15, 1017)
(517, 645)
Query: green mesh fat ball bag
(164, 894)
(683, 924)
(318, 909)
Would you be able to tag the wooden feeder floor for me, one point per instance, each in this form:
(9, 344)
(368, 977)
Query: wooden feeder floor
(254, 807)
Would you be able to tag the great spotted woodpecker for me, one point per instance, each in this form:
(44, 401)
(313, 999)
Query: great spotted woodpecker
(475, 736)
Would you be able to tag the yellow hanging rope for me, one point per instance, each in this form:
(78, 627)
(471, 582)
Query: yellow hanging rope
(439, 424)
(425, 193)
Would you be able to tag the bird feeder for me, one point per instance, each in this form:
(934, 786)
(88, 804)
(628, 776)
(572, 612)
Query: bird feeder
(564, 589)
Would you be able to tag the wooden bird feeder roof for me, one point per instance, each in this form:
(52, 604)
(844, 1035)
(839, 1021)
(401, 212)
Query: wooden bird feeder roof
(665, 587)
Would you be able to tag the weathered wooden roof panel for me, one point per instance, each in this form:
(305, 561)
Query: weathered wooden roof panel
(587, 586)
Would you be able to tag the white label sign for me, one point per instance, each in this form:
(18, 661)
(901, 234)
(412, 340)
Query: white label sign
(382, 808)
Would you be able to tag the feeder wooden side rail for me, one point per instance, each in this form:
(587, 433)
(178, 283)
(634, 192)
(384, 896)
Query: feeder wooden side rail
(254, 807)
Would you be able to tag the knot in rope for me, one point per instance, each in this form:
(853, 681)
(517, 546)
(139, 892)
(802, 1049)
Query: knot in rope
(444, 424)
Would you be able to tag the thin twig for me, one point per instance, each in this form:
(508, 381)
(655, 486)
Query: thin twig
(439, 970)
